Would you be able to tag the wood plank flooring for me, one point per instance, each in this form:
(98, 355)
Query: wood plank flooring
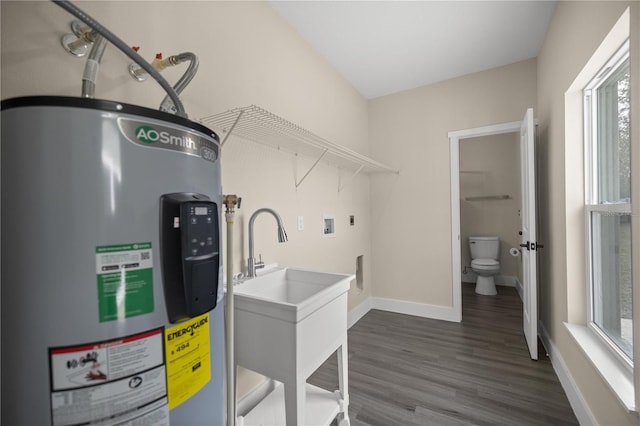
(405, 370)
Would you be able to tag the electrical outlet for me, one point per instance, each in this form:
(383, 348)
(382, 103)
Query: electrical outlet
(300, 223)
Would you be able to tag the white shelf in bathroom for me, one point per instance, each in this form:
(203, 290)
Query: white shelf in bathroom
(261, 126)
(488, 198)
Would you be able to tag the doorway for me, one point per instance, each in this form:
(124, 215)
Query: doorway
(456, 242)
(490, 202)
(527, 232)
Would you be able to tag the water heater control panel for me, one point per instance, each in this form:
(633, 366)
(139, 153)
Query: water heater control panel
(189, 246)
(200, 229)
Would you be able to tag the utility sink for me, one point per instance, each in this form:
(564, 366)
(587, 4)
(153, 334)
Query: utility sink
(288, 321)
(289, 294)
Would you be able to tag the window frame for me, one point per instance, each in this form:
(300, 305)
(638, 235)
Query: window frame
(592, 204)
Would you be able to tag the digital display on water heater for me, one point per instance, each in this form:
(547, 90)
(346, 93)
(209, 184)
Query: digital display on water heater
(199, 211)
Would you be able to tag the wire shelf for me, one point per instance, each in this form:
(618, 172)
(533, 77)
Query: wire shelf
(488, 198)
(261, 126)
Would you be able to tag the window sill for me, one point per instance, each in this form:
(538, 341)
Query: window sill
(618, 377)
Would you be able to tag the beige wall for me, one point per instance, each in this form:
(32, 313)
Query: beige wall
(248, 55)
(412, 211)
(576, 31)
(490, 166)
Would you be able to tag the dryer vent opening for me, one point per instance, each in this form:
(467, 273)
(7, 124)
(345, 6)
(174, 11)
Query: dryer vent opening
(360, 273)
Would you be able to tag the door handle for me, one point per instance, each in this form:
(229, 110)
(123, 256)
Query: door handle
(532, 246)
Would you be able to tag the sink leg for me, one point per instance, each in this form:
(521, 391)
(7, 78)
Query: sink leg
(343, 380)
(294, 402)
(344, 422)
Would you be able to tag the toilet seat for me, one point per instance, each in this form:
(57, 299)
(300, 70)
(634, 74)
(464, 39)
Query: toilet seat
(485, 264)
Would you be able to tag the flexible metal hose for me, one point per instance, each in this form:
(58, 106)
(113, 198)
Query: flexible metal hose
(91, 67)
(112, 38)
(186, 77)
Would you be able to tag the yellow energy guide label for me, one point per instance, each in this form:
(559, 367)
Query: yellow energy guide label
(187, 348)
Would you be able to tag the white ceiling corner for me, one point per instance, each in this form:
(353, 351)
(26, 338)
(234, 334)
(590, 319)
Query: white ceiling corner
(383, 47)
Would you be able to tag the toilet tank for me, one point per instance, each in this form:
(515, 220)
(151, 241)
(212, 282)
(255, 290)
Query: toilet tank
(484, 247)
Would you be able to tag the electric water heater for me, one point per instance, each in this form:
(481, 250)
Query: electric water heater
(111, 266)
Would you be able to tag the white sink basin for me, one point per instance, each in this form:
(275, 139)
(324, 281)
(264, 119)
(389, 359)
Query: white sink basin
(287, 323)
(289, 294)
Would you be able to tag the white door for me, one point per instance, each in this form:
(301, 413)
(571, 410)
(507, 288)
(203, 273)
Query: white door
(529, 242)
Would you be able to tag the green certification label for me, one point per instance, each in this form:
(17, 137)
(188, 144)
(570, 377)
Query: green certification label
(125, 280)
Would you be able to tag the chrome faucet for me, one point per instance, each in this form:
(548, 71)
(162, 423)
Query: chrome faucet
(252, 265)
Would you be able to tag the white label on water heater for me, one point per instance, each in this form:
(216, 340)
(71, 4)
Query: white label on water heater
(121, 381)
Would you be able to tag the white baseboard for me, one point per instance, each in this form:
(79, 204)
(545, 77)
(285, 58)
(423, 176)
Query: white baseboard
(417, 309)
(354, 315)
(578, 404)
(506, 280)
(520, 289)
(401, 307)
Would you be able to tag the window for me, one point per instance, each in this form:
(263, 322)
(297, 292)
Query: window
(608, 204)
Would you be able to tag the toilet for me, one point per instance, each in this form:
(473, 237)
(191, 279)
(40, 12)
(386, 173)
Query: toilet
(485, 255)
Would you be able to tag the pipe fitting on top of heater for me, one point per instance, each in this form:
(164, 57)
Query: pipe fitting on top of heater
(78, 43)
(113, 39)
(139, 74)
(160, 64)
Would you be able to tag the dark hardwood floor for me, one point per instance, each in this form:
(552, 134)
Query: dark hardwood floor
(406, 370)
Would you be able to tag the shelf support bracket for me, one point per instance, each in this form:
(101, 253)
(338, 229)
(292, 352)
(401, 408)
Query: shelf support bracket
(312, 167)
(233, 126)
(341, 185)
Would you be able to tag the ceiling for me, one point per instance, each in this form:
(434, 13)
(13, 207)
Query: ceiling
(383, 47)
